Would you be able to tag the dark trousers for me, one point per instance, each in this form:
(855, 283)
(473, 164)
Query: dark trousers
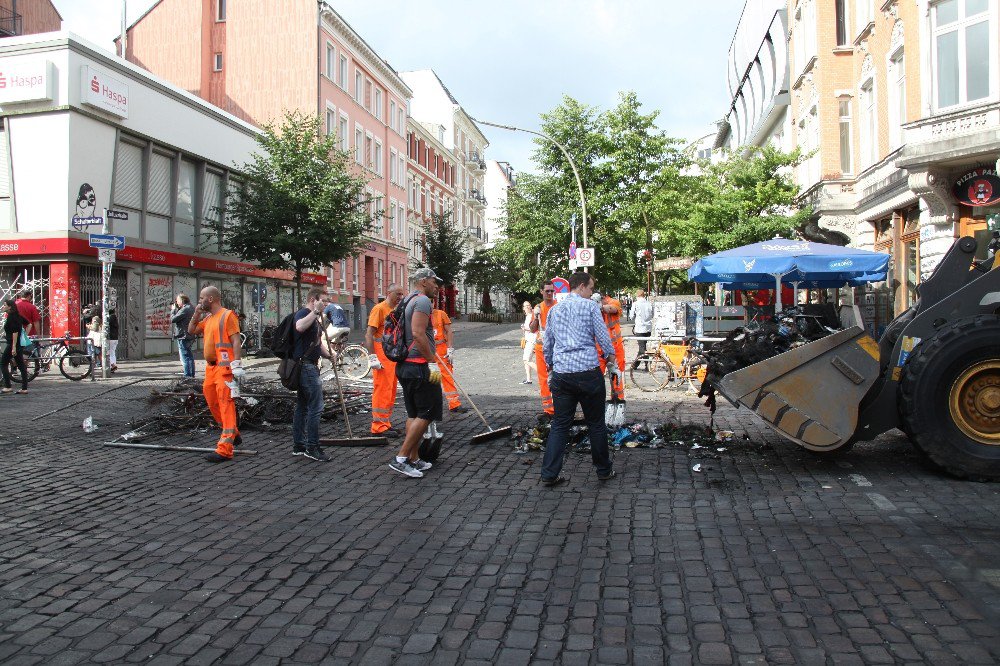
(5, 359)
(308, 407)
(642, 345)
(569, 390)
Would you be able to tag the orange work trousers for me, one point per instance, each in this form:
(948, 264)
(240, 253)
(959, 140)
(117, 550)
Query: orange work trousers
(383, 393)
(543, 381)
(447, 380)
(220, 402)
(617, 389)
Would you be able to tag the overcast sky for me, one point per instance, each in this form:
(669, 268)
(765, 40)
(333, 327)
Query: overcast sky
(510, 60)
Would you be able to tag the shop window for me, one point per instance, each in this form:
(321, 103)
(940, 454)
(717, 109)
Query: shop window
(908, 272)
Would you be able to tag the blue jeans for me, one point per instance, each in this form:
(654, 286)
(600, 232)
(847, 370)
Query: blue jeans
(308, 407)
(187, 356)
(568, 390)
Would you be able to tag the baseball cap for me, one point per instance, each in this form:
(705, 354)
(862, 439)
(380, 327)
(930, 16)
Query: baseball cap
(424, 273)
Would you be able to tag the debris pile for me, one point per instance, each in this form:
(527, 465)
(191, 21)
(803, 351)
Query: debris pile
(631, 435)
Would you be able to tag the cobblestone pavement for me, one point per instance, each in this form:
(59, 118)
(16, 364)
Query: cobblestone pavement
(767, 555)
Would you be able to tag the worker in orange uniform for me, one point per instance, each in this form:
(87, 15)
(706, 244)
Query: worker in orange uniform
(444, 342)
(611, 310)
(537, 325)
(383, 370)
(223, 366)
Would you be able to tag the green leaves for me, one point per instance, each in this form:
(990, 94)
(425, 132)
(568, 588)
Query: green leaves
(444, 247)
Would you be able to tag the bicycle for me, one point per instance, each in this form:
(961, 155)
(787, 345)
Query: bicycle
(74, 363)
(670, 366)
(352, 359)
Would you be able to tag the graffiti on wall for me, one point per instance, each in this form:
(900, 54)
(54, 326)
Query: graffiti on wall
(159, 294)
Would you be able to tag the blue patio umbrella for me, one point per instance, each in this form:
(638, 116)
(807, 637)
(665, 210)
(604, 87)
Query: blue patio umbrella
(790, 261)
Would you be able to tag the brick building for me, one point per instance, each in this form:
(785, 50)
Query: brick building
(28, 17)
(258, 58)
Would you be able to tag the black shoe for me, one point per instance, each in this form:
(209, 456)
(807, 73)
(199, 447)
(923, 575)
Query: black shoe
(238, 441)
(316, 453)
(552, 483)
(216, 458)
(459, 410)
(298, 450)
(607, 477)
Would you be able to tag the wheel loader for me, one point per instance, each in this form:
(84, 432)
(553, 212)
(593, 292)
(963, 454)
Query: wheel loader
(935, 374)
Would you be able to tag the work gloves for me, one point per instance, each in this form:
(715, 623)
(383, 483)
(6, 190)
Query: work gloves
(618, 375)
(435, 377)
(374, 362)
(237, 367)
(451, 353)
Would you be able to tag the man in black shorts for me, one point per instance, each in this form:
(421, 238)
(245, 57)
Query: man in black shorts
(419, 374)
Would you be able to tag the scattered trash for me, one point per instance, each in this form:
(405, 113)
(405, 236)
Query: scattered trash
(721, 449)
(88, 425)
(696, 468)
(724, 435)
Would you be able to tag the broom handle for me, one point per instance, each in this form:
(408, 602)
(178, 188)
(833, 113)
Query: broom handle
(459, 386)
(336, 376)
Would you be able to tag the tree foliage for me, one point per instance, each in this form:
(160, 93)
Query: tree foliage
(444, 246)
(488, 270)
(300, 205)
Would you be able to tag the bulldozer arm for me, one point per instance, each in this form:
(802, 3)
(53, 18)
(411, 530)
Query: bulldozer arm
(811, 394)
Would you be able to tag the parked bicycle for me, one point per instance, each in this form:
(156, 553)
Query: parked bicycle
(352, 359)
(670, 366)
(74, 363)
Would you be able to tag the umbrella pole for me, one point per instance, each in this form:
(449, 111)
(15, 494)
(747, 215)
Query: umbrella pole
(777, 293)
(795, 292)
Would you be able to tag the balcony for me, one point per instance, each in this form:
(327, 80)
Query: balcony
(472, 158)
(475, 232)
(10, 23)
(477, 198)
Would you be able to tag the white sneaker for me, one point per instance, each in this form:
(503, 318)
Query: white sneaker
(406, 469)
(420, 465)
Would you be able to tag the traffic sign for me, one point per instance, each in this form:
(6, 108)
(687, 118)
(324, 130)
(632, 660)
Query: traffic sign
(106, 256)
(572, 264)
(572, 250)
(81, 223)
(585, 256)
(107, 241)
(117, 214)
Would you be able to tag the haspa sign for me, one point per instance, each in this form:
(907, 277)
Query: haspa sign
(978, 187)
(103, 91)
(26, 82)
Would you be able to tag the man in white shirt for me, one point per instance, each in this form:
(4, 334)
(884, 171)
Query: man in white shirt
(642, 315)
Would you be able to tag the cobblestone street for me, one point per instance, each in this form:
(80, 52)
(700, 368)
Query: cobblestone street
(768, 554)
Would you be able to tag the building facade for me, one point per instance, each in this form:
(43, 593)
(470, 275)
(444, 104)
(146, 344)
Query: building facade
(431, 170)
(28, 17)
(498, 182)
(83, 131)
(230, 54)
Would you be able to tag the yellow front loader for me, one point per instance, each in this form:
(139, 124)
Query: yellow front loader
(935, 374)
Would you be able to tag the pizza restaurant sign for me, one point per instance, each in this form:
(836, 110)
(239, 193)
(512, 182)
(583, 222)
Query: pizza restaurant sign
(27, 82)
(103, 91)
(978, 187)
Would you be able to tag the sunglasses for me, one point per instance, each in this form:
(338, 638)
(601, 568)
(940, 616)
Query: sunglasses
(548, 291)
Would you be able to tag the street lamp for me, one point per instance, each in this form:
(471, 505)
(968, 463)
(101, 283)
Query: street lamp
(572, 165)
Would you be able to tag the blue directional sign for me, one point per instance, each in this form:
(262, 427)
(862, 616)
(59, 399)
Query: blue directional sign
(107, 241)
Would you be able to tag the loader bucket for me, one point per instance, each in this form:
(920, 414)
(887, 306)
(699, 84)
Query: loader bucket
(810, 394)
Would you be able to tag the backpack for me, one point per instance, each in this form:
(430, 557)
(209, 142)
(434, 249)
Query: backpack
(283, 340)
(394, 334)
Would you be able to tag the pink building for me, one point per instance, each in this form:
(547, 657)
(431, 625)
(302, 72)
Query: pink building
(258, 58)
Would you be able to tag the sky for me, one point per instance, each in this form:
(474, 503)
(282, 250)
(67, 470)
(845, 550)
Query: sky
(508, 61)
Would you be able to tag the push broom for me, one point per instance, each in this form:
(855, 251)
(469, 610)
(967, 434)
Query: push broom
(351, 439)
(491, 432)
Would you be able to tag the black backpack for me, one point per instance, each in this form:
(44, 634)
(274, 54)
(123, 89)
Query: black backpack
(394, 334)
(283, 340)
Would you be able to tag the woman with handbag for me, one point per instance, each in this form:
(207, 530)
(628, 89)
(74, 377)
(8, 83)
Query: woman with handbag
(528, 342)
(13, 330)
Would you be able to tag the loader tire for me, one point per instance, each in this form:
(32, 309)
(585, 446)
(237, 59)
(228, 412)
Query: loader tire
(949, 398)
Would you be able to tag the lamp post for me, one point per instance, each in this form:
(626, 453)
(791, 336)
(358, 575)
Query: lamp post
(572, 165)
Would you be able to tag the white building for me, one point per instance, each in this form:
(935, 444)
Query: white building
(84, 131)
(499, 179)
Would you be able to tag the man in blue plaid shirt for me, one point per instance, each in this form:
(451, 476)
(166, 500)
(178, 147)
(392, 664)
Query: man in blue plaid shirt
(574, 330)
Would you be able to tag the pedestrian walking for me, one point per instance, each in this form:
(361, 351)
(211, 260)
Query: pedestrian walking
(180, 316)
(444, 347)
(223, 365)
(642, 314)
(308, 347)
(575, 331)
(611, 313)
(113, 332)
(527, 341)
(13, 326)
(29, 313)
(537, 327)
(383, 370)
(419, 375)
(95, 337)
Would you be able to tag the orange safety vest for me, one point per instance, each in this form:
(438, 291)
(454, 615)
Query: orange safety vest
(613, 321)
(543, 316)
(218, 346)
(440, 319)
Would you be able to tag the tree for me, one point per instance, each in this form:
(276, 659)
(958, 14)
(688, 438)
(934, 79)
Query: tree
(300, 206)
(487, 270)
(444, 246)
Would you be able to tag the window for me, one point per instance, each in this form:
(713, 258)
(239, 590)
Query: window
(331, 60)
(184, 222)
(897, 99)
(380, 277)
(963, 51)
(359, 145)
(217, 63)
(342, 79)
(331, 121)
(805, 34)
(343, 274)
(866, 14)
(378, 103)
(359, 83)
(392, 116)
(869, 136)
(840, 11)
(845, 136)
(220, 10)
(392, 166)
(368, 151)
(368, 94)
(211, 210)
(402, 120)
(344, 145)
(392, 219)
(354, 275)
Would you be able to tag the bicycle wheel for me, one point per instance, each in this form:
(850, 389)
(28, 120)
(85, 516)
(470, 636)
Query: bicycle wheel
(652, 372)
(352, 362)
(75, 364)
(31, 364)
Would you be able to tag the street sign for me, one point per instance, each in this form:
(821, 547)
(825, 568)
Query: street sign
(107, 241)
(106, 256)
(81, 223)
(572, 264)
(117, 214)
(572, 250)
(673, 263)
(585, 256)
